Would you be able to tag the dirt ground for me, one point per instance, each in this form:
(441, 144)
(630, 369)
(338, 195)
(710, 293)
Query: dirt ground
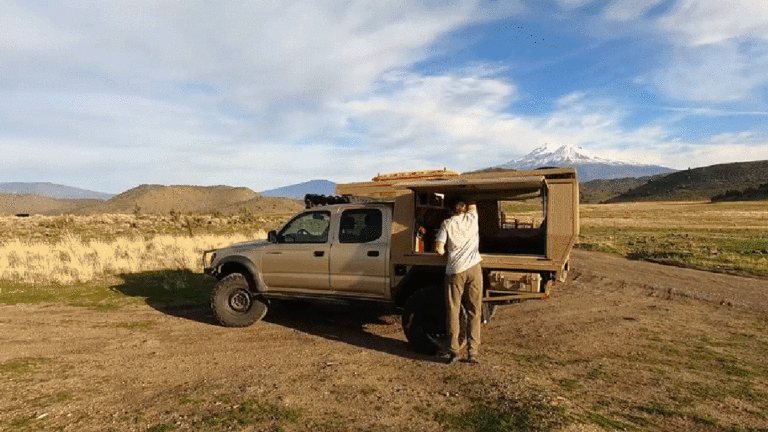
(621, 345)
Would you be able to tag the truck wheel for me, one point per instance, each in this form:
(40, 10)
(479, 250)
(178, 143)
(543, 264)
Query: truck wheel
(424, 318)
(234, 304)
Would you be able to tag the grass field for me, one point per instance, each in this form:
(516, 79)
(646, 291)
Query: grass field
(721, 237)
(67, 250)
(44, 250)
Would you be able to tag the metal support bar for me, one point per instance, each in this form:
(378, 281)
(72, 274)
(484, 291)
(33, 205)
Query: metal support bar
(506, 295)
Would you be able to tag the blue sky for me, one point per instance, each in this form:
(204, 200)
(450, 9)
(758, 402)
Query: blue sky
(107, 95)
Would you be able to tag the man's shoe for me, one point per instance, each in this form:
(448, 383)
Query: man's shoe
(449, 357)
(472, 359)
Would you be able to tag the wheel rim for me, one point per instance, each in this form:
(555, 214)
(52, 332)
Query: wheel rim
(240, 301)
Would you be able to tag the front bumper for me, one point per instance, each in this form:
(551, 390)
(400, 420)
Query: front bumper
(207, 261)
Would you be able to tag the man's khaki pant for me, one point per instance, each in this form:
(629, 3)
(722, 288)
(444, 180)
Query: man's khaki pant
(466, 286)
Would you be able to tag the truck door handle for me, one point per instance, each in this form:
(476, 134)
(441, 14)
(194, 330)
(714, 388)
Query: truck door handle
(319, 253)
(373, 253)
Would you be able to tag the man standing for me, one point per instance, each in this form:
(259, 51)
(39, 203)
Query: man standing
(459, 237)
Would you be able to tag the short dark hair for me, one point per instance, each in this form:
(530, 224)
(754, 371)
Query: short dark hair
(458, 206)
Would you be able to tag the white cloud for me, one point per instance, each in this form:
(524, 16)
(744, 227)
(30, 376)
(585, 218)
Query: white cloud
(21, 30)
(716, 50)
(629, 10)
(718, 149)
(433, 126)
(707, 22)
(720, 50)
(715, 73)
(573, 4)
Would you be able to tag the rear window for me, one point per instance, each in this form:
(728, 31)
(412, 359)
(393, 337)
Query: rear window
(360, 226)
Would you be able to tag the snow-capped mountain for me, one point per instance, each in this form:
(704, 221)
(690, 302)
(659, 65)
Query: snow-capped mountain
(589, 166)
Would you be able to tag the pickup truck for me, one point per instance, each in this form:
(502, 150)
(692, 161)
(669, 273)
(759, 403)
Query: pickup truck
(375, 243)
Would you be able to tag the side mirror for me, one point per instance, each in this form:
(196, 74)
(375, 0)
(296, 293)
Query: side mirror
(272, 236)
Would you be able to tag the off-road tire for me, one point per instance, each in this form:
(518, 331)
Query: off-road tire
(234, 304)
(424, 320)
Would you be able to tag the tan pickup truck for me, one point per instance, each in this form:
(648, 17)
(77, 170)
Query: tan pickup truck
(375, 243)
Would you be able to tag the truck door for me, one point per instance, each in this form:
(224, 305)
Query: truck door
(360, 254)
(299, 260)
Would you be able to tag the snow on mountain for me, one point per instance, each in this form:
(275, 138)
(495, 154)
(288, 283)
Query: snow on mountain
(589, 166)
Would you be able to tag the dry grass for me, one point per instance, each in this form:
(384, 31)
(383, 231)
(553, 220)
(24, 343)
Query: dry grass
(73, 260)
(76, 249)
(726, 237)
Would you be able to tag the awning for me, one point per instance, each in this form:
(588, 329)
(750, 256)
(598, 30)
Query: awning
(516, 185)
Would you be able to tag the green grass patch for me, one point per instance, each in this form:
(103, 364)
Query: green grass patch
(657, 409)
(21, 423)
(735, 250)
(162, 428)
(569, 384)
(599, 373)
(22, 366)
(368, 390)
(96, 295)
(47, 400)
(607, 423)
(451, 379)
(487, 419)
(252, 413)
(506, 417)
(169, 288)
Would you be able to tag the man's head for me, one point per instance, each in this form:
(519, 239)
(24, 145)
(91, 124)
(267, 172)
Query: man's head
(458, 207)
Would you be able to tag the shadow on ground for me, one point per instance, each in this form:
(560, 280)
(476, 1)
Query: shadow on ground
(181, 293)
(365, 325)
(185, 294)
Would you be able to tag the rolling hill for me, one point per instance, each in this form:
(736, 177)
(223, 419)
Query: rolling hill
(154, 199)
(297, 191)
(700, 183)
(12, 204)
(595, 191)
(191, 199)
(51, 190)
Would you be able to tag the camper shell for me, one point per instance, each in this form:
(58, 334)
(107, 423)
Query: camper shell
(529, 223)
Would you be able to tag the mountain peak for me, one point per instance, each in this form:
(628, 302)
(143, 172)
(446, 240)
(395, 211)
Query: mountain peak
(589, 165)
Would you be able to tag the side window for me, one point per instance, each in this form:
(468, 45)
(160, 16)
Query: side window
(309, 227)
(360, 226)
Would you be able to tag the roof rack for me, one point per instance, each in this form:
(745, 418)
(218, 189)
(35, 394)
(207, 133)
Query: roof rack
(314, 200)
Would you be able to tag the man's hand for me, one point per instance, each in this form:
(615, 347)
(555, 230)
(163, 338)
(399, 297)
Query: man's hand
(440, 248)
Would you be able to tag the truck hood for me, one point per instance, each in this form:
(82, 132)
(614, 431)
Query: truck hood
(248, 244)
(249, 248)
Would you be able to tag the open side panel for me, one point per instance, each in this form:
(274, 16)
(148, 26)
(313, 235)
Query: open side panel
(511, 214)
(562, 219)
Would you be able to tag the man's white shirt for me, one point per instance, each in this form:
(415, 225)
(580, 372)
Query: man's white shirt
(461, 236)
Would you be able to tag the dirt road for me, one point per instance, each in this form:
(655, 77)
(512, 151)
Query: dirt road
(622, 344)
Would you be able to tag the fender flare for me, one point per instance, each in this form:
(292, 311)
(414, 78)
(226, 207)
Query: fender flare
(240, 261)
